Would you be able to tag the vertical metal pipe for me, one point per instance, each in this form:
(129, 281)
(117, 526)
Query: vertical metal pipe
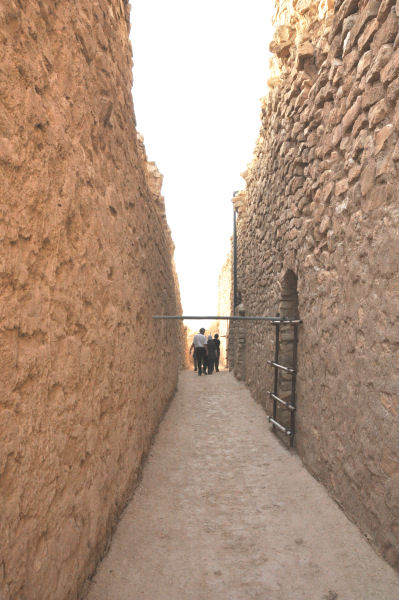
(234, 259)
(276, 356)
(293, 389)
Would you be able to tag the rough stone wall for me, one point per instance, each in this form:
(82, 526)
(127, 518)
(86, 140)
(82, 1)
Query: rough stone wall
(154, 181)
(85, 261)
(321, 204)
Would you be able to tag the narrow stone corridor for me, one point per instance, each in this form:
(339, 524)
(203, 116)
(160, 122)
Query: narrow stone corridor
(225, 512)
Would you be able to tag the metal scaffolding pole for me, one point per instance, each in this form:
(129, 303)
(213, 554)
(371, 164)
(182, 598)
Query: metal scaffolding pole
(227, 318)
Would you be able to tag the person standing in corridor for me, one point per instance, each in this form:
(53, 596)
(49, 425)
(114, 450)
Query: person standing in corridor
(211, 354)
(217, 351)
(201, 350)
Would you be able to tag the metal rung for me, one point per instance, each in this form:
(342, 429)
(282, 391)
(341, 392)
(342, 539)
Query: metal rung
(287, 369)
(284, 429)
(287, 404)
(287, 322)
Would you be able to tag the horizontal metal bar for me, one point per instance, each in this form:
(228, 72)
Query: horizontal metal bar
(229, 318)
(287, 404)
(288, 322)
(284, 429)
(287, 369)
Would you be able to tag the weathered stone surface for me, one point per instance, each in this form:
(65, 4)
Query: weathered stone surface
(383, 56)
(377, 113)
(352, 114)
(364, 63)
(366, 37)
(372, 94)
(282, 41)
(387, 32)
(384, 10)
(392, 93)
(86, 261)
(395, 119)
(354, 173)
(391, 69)
(341, 187)
(360, 123)
(367, 12)
(367, 179)
(381, 137)
(338, 234)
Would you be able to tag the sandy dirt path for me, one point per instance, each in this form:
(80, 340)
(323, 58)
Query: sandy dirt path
(225, 512)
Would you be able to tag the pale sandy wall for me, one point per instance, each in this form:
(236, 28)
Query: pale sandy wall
(321, 200)
(224, 308)
(85, 261)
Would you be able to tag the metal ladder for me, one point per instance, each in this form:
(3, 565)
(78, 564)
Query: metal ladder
(289, 404)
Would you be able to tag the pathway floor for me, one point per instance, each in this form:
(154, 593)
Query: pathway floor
(225, 512)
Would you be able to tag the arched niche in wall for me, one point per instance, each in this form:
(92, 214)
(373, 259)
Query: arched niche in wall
(289, 306)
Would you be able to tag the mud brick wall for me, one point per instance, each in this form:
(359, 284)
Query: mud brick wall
(86, 259)
(321, 206)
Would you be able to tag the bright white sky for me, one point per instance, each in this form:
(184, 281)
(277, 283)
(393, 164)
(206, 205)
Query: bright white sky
(200, 69)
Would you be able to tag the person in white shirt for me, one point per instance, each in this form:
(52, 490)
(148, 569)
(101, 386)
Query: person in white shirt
(201, 350)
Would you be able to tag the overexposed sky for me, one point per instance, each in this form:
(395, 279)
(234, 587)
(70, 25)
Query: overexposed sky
(200, 69)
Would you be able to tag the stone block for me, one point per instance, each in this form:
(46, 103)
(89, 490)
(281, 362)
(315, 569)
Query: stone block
(283, 39)
(348, 85)
(387, 32)
(384, 166)
(341, 187)
(337, 135)
(391, 69)
(383, 56)
(372, 94)
(368, 150)
(367, 36)
(327, 192)
(381, 136)
(367, 178)
(305, 50)
(385, 8)
(354, 173)
(352, 114)
(375, 198)
(325, 224)
(392, 93)
(347, 8)
(350, 60)
(395, 119)
(364, 63)
(366, 14)
(348, 24)
(360, 123)
(378, 113)
(338, 76)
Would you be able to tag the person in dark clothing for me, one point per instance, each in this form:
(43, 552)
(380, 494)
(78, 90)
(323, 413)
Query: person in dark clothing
(211, 354)
(216, 341)
(205, 364)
